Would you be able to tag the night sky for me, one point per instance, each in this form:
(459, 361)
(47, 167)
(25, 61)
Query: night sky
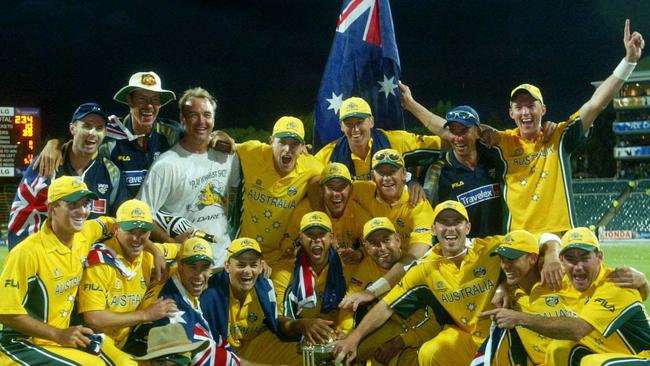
(264, 59)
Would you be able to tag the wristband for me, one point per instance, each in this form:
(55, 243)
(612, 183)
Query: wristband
(624, 69)
(379, 287)
(549, 237)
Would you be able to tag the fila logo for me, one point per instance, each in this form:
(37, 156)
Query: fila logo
(123, 158)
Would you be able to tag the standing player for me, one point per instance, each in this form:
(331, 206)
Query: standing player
(538, 177)
(611, 322)
(80, 159)
(191, 180)
(275, 177)
(361, 141)
(469, 173)
(40, 279)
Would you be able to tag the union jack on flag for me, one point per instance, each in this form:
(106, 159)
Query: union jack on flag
(363, 62)
(219, 353)
(29, 208)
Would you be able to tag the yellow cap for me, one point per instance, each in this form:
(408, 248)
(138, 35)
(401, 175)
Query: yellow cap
(516, 244)
(289, 127)
(579, 238)
(241, 245)
(196, 249)
(450, 205)
(528, 88)
(378, 223)
(387, 156)
(354, 107)
(335, 171)
(134, 214)
(69, 189)
(315, 218)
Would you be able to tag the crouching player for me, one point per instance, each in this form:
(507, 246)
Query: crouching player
(117, 276)
(397, 341)
(606, 323)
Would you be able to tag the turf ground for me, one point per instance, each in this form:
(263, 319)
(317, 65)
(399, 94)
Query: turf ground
(617, 254)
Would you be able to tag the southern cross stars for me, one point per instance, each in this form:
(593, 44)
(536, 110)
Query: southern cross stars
(388, 86)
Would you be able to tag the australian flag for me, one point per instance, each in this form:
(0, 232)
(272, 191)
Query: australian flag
(363, 62)
(29, 208)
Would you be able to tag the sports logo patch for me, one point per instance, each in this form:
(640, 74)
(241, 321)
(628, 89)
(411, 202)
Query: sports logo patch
(292, 191)
(102, 188)
(479, 272)
(551, 300)
(480, 194)
(148, 79)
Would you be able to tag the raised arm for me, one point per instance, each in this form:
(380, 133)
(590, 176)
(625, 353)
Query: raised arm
(634, 44)
(432, 122)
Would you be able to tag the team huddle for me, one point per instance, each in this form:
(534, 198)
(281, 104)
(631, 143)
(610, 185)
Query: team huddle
(143, 241)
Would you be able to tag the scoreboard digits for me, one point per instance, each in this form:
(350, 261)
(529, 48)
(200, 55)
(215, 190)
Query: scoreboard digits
(19, 129)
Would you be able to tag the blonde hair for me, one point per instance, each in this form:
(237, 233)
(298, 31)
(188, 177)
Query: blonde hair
(196, 92)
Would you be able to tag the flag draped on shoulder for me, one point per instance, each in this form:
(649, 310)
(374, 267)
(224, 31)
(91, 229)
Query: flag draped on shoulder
(363, 62)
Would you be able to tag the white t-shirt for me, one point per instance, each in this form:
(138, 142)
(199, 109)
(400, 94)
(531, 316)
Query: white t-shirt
(194, 186)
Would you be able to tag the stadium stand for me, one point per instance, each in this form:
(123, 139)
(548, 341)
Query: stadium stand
(592, 198)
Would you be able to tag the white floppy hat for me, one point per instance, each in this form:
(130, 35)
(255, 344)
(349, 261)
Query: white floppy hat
(147, 80)
(170, 339)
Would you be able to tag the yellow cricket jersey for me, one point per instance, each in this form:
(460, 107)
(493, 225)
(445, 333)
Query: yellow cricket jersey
(41, 275)
(268, 198)
(245, 320)
(103, 287)
(416, 328)
(412, 223)
(545, 302)
(538, 178)
(462, 293)
(405, 143)
(617, 314)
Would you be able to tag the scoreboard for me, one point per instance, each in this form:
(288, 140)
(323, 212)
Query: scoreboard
(19, 132)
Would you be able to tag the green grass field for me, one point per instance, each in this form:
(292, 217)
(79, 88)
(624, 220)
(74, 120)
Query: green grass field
(617, 254)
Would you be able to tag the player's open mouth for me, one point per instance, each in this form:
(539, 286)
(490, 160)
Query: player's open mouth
(246, 281)
(286, 159)
(197, 285)
(451, 237)
(579, 279)
(146, 112)
(317, 251)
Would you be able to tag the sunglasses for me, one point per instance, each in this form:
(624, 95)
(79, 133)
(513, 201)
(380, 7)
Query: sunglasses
(461, 115)
(388, 156)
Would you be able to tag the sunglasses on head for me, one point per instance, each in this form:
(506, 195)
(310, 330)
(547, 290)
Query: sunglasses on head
(388, 156)
(461, 115)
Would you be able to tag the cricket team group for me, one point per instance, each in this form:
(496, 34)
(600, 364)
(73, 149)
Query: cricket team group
(144, 241)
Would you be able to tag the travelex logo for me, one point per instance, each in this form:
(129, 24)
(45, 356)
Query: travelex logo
(134, 177)
(480, 194)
